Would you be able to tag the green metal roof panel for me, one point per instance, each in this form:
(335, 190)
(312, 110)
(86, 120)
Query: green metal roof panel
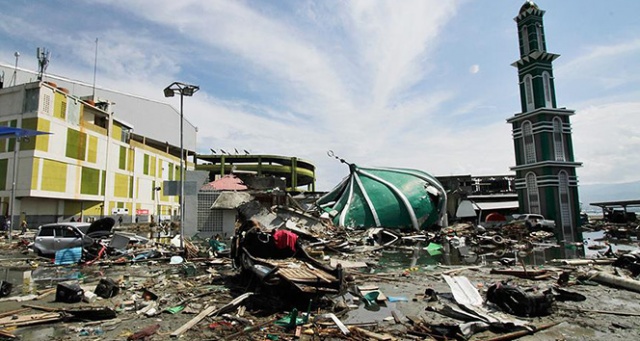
(388, 197)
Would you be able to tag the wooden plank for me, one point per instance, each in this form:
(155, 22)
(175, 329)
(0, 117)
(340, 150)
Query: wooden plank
(193, 322)
(13, 312)
(39, 307)
(371, 335)
(26, 320)
(608, 312)
(347, 264)
(46, 293)
(6, 334)
(529, 274)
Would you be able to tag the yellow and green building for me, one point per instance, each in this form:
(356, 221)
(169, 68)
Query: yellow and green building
(106, 153)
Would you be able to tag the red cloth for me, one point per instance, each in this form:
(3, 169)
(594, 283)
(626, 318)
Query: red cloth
(285, 239)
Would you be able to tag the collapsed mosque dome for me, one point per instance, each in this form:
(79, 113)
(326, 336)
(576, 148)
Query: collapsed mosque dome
(394, 198)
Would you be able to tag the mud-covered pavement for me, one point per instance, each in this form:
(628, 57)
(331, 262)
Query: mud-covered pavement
(410, 287)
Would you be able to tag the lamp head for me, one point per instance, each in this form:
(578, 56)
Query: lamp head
(168, 92)
(189, 90)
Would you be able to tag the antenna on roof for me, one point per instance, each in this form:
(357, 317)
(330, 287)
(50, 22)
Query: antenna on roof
(14, 78)
(95, 67)
(43, 56)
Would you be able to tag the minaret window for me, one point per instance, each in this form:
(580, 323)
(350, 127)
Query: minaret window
(529, 146)
(528, 92)
(565, 211)
(558, 144)
(539, 36)
(546, 81)
(532, 194)
(525, 40)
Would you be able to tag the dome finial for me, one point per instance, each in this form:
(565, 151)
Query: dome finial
(528, 4)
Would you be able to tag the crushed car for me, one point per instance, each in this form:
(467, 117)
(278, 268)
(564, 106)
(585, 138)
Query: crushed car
(278, 260)
(51, 238)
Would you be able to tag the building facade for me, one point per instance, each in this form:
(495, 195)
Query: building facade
(92, 162)
(486, 194)
(546, 180)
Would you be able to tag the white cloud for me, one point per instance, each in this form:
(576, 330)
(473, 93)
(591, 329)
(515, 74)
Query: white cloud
(607, 66)
(359, 77)
(606, 140)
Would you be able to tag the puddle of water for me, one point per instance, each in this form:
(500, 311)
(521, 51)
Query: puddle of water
(44, 277)
(42, 332)
(367, 313)
(400, 258)
(417, 256)
(370, 313)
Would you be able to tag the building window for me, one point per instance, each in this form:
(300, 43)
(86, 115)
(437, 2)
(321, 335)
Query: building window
(31, 99)
(146, 164)
(125, 135)
(76, 144)
(558, 144)
(546, 81)
(539, 37)
(532, 193)
(565, 211)
(528, 92)
(525, 40)
(529, 145)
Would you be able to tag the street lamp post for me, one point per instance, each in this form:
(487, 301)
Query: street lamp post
(16, 148)
(184, 90)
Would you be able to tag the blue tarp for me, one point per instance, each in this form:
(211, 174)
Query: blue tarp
(71, 255)
(8, 132)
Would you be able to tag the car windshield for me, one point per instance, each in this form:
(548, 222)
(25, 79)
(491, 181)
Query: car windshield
(83, 228)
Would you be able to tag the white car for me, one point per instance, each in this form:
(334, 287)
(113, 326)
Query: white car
(57, 236)
(537, 222)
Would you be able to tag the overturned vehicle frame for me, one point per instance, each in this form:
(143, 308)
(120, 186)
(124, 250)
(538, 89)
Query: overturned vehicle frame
(277, 259)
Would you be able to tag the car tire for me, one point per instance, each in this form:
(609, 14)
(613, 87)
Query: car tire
(39, 253)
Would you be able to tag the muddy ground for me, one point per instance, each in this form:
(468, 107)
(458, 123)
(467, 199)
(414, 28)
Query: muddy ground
(217, 283)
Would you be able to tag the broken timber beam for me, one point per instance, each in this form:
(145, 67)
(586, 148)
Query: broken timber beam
(521, 333)
(6, 334)
(608, 312)
(26, 320)
(603, 277)
(193, 322)
(371, 335)
(13, 312)
(249, 329)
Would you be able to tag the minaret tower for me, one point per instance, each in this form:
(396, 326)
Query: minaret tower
(546, 179)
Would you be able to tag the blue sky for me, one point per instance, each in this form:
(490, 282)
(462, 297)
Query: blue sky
(421, 84)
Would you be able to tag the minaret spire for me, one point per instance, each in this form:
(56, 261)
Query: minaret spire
(546, 179)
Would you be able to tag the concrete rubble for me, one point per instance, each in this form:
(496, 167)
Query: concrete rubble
(291, 274)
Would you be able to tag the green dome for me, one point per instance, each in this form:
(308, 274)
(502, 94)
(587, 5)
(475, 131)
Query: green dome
(386, 197)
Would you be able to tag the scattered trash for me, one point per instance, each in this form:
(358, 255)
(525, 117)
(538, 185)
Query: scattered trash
(515, 300)
(319, 280)
(107, 288)
(69, 293)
